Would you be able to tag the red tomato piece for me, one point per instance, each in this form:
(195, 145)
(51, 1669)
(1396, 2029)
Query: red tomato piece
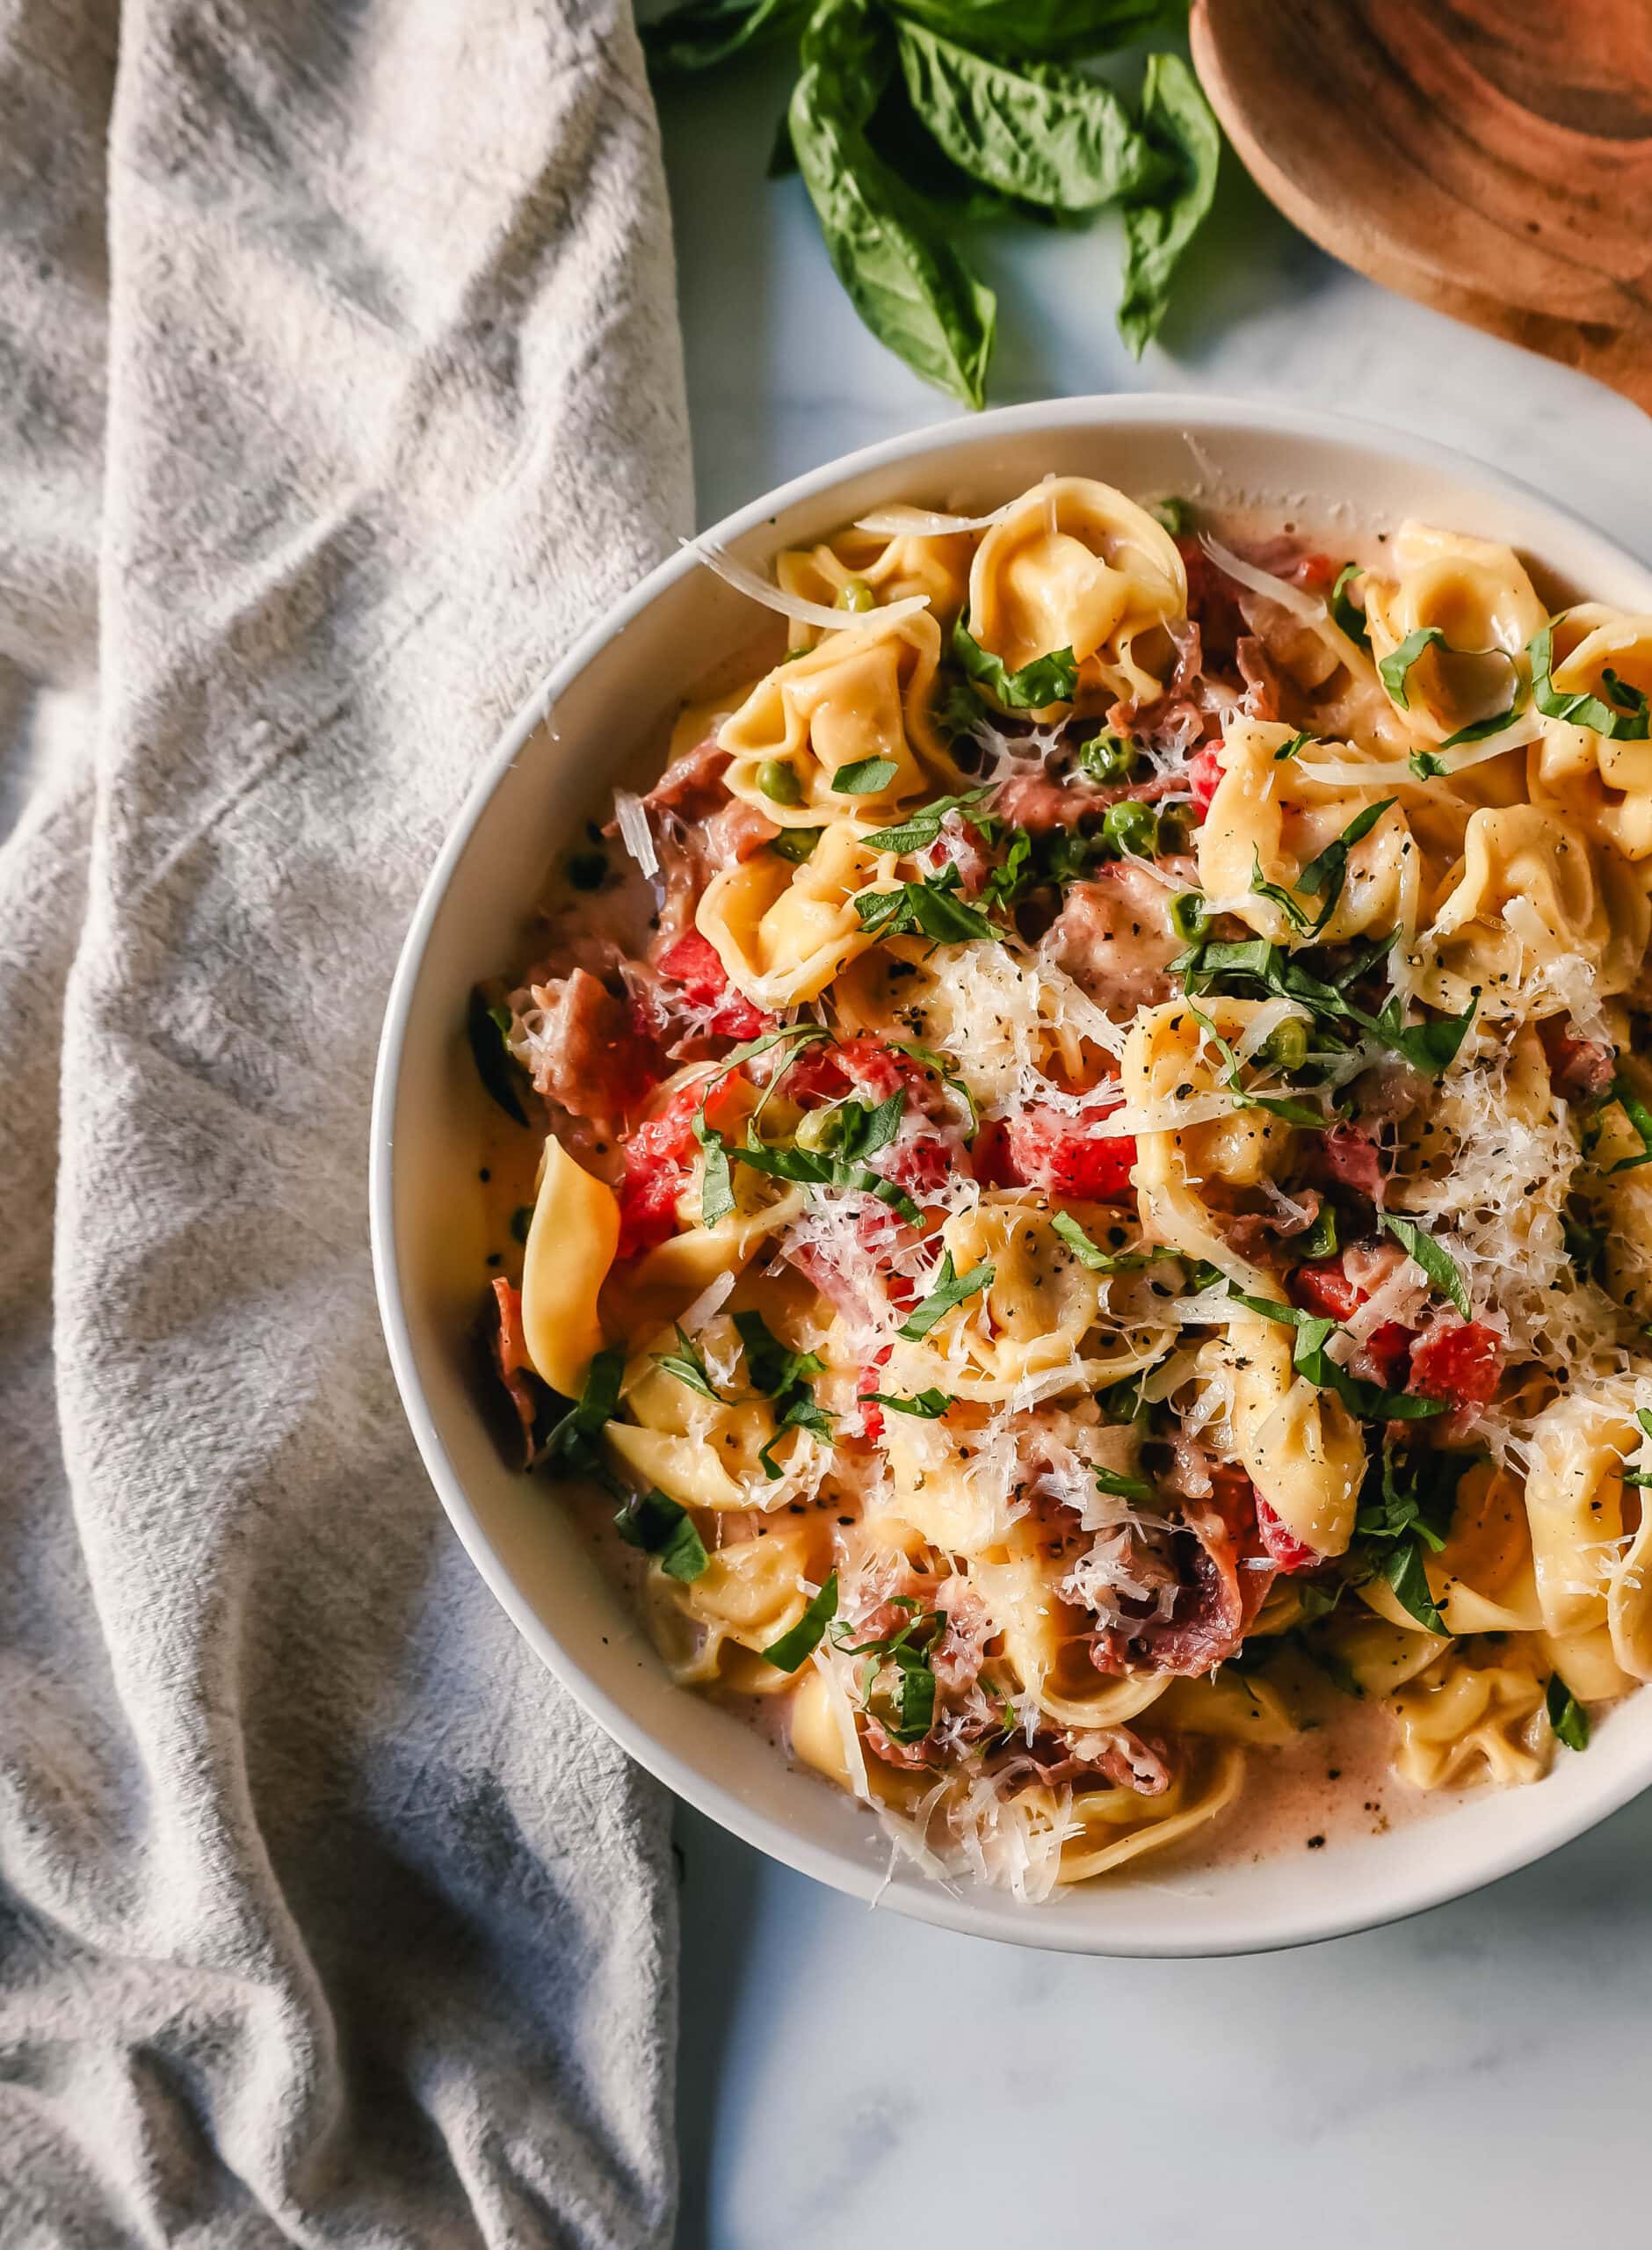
(659, 1156)
(1066, 1155)
(1204, 775)
(694, 962)
(1459, 1362)
(1322, 1285)
(871, 1413)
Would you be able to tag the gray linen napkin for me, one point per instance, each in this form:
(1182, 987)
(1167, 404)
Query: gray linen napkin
(331, 405)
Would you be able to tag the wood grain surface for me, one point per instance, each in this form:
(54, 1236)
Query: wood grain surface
(1491, 158)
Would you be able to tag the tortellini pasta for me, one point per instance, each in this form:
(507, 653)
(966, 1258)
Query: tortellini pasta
(783, 933)
(857, 568)
(1590, 1538)
(571, 1246)
(844, 729)
(1078, 566)
(1479, 596)
(1530, 891)
(1464, 1721)
(1301, 1448)
(1605, 778)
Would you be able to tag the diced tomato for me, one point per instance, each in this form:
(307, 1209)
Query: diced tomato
(1459, 1361)
(961, 846)
(1321, 1285)
(694, 962)
(1289, 1552)
(1316, 571)
(1067, 1156)
(659, 1156)
(1204, 775)
(871, 1378)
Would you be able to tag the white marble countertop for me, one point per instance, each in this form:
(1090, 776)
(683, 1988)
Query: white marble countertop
(1477, 2075)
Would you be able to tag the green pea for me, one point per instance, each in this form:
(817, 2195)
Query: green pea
(796, 844)
(778, 781)
(1131, 826)
(1286, 1046)
(855, 593)
(1190, 917)
(1176, 829)
(1108, 757)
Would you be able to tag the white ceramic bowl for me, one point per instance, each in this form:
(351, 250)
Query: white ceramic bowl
(552, 763)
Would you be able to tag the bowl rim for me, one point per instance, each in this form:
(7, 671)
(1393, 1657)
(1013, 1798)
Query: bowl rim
(1003, 1920)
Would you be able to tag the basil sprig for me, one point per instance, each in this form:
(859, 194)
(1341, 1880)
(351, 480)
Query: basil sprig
(921, 828)
(1631, 722)
(1051, 679)
(864, 777)
(929, 908)
(661, 1528)
(861, 1132)
(687, 1363)
(928, 1405)
(1406, 1505)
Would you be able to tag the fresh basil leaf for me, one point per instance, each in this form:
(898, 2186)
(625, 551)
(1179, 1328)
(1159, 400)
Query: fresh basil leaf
(657, 1525)
(902, 274)
(501, 1074)
(928, 907)
(1052, 679)
(932, 1060)
(776, 1370)
(951, 1288)
(1059, 138)
(1394, 670)
(1407, 1573)
(1429, 1047)
(1050, 31)
(1581, 709)
(1016, 874)
(702, 34)
(1345, 611)
(921, 828)
(1177, 119)
(716, 1184)
(1409, 1492)
(928, 1405)
(864, 777)
(573, 1441)
(1320, 1240)
(1441, 1269)
(1638, 1115)
(1327, 872)
(1566, 1715)
(1275, 893)
(794, 1648)
(1294, 748)
(1426, 766)
(1482, 729)
(801, 1413)
(1099, 1260)
(1120, 1486)
(687, 1363)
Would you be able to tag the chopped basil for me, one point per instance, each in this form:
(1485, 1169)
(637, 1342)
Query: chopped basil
(908, 1712)
(1407, 1573)
(573, 1441)
(1630, 724)
(1423, 1251)
(1368, 1401)
(1482, 729)
(1261, 887)
(922, 827)
(1326, 872)
(1016, 873)
(858, 1133)
(801, 1414)
(1395, 668)
(1345, 611)
(1122, 1487)
(1643, 1415)
(1221, 963)
(1320, 1240)
(951, 1288)
(795, 1647)
(786, 1378)
(660, 1528)
(927, 909)
(487, 1028)
(1566, 1715)
(864, 777)
(687, 1363)
(1426, 766)
(1052, 679)
(1175, 515)
(1103, 1261)
(928, 1405)
(1296, 744)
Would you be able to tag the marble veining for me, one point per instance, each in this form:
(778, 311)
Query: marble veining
(1478, 2074)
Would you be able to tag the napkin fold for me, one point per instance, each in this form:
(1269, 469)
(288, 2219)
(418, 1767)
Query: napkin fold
(341, 386)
